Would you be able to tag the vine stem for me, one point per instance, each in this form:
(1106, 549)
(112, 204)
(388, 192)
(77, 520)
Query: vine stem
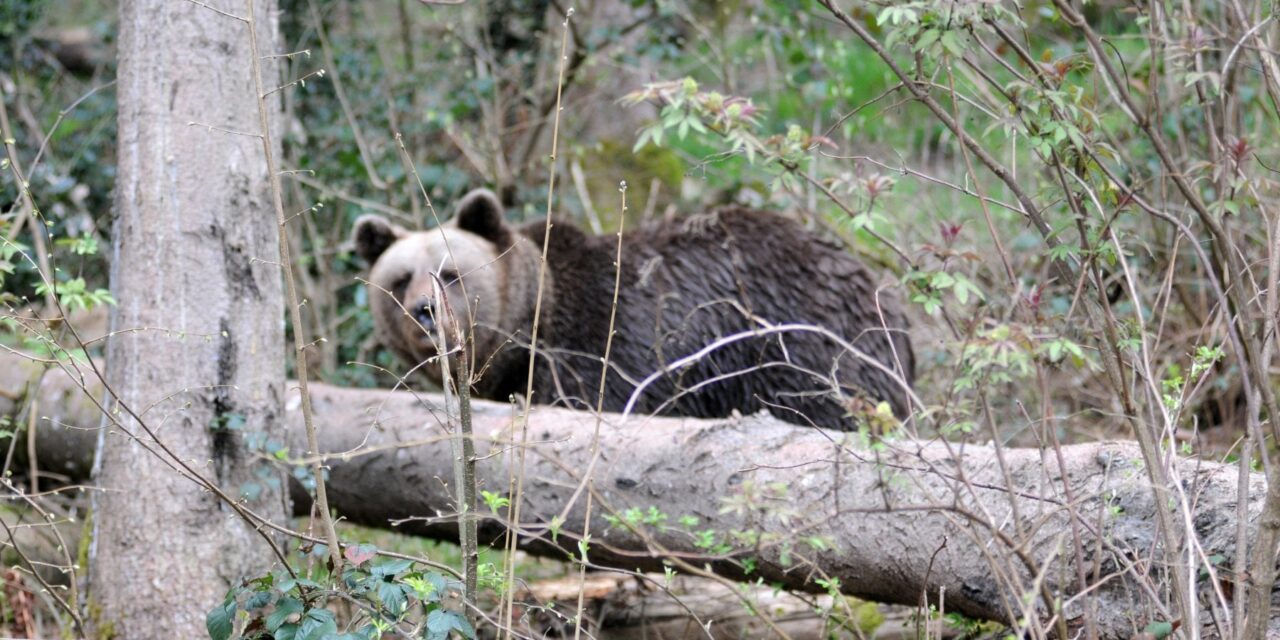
(595, 437)
(464, 459)
(513, 510)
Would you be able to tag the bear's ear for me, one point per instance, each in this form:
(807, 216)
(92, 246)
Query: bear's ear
(372, 235)
(480, 212)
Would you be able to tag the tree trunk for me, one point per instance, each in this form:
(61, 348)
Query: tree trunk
(891, 522)
(198, 353)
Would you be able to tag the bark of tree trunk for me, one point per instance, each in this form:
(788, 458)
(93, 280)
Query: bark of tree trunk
(890, 522)
(199, 353)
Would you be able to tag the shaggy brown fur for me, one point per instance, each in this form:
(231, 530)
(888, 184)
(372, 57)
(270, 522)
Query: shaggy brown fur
(684, 286)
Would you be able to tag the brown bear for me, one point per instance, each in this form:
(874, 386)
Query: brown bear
(730, 310)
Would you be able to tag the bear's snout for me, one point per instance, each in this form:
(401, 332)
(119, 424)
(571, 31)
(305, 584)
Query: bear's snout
(425, 316)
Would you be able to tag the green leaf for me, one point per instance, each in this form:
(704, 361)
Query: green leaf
(422, 588)
(440, 583)
(318, 624)
(927, 38)
(219, 621)
(285, 608)
(953, 44)
(642, 140)
(259, 600)
(1159, 629)
(438, 625)
(964, 287)
(1062, 252)
(942, 280)
(392, 597)
(556, 523)
(463, 626)
(1055, 350)
(441, 622)
(391, 568)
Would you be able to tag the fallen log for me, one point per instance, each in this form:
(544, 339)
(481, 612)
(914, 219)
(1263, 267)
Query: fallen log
(624, 607)
(988, 535)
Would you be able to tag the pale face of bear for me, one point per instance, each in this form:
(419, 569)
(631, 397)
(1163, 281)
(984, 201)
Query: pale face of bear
(468, 255)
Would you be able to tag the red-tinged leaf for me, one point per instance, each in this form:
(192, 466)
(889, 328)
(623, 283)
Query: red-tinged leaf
(359, 554)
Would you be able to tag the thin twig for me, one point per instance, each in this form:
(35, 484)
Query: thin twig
(39, 228)
(595, 436)
(517, 496)
(291, 288)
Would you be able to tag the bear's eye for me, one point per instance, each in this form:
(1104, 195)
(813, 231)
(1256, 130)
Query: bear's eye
(400, 285)
(448, 276)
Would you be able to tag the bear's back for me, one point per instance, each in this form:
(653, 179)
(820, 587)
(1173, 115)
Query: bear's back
(701, 281)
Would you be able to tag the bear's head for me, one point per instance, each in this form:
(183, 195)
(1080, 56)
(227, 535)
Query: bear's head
(487, 269)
